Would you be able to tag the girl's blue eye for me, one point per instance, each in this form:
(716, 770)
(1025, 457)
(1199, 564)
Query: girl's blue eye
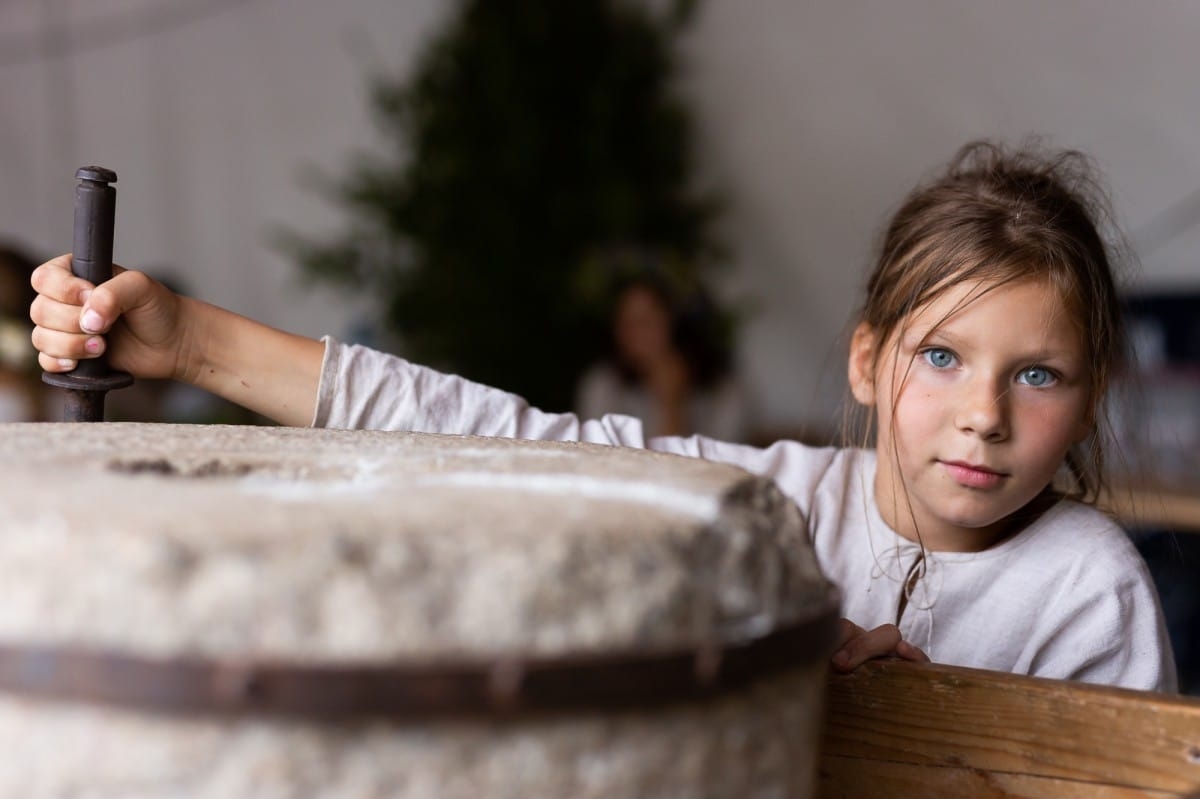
(1036, 376)
(939, 358)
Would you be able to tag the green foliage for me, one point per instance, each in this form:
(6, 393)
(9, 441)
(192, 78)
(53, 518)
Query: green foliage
(534, 136)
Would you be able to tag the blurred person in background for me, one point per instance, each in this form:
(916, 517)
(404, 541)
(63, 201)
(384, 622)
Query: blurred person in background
(667, 364)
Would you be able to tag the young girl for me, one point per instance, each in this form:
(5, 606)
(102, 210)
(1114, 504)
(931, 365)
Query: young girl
(988, 337)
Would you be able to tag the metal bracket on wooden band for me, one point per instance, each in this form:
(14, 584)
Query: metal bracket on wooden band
(408, 690)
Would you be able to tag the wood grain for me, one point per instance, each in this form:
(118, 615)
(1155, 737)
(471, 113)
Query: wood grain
(908, 726)
(853, 777)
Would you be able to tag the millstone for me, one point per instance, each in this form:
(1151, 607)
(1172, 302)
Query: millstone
(245, 557)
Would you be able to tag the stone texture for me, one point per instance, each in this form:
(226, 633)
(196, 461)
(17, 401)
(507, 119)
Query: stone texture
(318, 545)
(758, 744)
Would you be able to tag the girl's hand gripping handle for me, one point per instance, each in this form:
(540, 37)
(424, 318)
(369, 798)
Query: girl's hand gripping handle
(95, 211)
(149, 331)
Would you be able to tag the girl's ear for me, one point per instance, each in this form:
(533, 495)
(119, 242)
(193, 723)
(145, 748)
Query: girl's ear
(861, 365)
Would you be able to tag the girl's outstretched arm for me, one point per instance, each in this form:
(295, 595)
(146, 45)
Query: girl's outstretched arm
(147, 330)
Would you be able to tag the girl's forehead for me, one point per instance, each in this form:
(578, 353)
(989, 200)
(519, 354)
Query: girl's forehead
(969, 298)
(1031, 309)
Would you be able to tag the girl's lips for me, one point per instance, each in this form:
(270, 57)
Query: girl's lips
(973, 476)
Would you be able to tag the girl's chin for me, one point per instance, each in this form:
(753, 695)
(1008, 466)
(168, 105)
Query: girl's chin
(963, 530)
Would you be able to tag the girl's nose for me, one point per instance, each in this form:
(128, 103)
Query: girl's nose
(983, 410)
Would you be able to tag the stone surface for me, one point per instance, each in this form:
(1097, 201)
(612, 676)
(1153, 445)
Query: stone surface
(317, 545)
(758, 744)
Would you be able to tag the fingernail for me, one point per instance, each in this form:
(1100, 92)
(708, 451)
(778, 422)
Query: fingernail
(94, 344)
(91, 322)
(66, 363)
(83, 295)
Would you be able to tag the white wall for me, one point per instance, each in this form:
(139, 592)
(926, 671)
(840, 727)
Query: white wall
(815, 118)
(209, 123)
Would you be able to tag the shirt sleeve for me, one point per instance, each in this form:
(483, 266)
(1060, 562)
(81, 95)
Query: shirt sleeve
(361, 388)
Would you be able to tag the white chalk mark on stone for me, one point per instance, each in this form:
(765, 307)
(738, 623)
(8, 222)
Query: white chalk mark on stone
(687, 503)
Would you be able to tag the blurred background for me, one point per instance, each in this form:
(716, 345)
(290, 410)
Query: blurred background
(807, 121)
(471, 183)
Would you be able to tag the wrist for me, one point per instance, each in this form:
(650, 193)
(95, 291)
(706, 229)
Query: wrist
(269, 371)
(198, 341)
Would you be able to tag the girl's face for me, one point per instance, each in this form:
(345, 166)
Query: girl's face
(978, 397)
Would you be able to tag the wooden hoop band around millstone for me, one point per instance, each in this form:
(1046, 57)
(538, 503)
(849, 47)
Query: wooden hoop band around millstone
(407, 691)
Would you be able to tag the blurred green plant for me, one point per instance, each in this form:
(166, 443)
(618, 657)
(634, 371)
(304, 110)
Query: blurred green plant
(534, 137)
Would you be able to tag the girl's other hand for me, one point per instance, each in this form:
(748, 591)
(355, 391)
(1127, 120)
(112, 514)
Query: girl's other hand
(134, 318)
(856, 646)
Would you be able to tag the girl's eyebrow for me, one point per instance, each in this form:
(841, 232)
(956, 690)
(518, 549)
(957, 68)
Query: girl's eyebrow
(916, 337)
(1056, 358)
(921, 336)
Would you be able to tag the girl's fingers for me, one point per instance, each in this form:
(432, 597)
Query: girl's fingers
(126, 291)
(57, 336)
(53, 279)
(909, 652)
(59, 290)
(56, 345)
(54, 315)
(871, 644)
(846, 631)
(67, 332)
(51, 364)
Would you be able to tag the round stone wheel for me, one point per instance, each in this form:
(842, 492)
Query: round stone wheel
(212, 611)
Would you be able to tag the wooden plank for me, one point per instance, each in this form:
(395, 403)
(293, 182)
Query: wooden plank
(857, 778)
(933, 715)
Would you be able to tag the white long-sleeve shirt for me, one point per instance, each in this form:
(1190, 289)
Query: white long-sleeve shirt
(1068, 597)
